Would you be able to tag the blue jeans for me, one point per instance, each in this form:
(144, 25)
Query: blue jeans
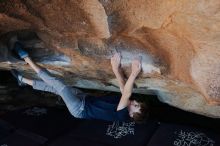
(72, 97)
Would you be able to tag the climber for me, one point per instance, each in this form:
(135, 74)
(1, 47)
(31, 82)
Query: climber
(81, 105)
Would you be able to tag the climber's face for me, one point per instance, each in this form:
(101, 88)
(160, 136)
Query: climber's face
(134, 107)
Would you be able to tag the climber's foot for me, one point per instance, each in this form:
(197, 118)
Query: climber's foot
(16, 46)
(19, 77)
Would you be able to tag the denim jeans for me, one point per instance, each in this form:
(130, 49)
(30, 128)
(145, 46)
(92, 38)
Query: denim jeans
(72, 97)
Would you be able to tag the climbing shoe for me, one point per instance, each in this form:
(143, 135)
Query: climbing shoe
(18, 48)
(19, 77)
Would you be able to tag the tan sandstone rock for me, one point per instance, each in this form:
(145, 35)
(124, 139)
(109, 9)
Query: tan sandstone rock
(179, 41)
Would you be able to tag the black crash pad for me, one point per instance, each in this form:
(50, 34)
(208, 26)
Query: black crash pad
(44, 121)
(23, 138)
(97, 132)
(180, 135)
(5, 129)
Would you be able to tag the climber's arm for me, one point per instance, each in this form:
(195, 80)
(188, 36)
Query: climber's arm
(120, 79)
(136, 68)
(115, 62)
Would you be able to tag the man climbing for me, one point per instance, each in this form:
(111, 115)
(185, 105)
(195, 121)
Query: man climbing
(81, 105)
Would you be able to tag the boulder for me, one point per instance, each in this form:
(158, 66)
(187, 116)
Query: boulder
(178, 40)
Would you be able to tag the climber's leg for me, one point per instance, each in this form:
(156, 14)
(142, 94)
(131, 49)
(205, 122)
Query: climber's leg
(42, 86)
(74, 104)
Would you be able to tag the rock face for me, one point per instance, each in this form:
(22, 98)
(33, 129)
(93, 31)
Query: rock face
(179, 41)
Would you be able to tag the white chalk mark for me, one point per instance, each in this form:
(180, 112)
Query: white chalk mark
(192, 139)
(118, 130)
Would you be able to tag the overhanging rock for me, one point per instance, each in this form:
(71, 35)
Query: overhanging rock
(178, 41)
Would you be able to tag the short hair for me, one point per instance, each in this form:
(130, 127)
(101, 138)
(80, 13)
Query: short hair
(144, 109)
